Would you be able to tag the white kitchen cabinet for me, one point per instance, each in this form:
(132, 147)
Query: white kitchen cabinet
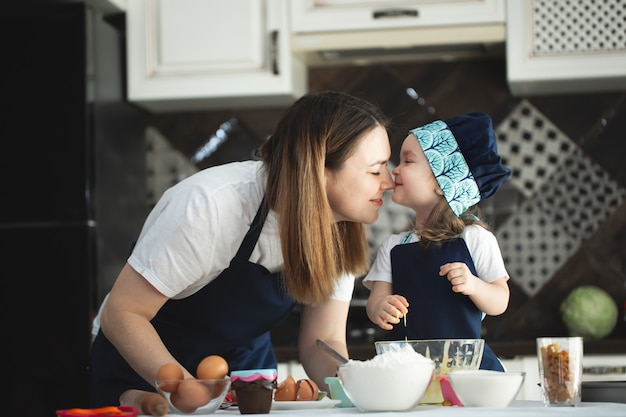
(565, 47)
(195, 55)
(336, 26)
(346, 15)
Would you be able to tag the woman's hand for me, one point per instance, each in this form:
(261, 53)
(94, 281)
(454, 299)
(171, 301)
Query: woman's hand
(383, 308)
(148, 403)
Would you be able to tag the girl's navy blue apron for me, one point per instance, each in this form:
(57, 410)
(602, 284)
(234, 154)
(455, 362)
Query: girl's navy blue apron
(230, 317)
(435, 311)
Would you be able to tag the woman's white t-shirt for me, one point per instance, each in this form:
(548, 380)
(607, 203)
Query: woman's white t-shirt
(197, 226)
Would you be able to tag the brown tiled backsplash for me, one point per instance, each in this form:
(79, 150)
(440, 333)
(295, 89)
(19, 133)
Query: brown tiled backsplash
(560, 218)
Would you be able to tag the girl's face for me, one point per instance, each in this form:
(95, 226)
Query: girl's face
(416, 185)
(355, 192)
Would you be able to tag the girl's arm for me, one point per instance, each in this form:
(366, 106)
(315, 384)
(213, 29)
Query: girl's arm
(492, 298)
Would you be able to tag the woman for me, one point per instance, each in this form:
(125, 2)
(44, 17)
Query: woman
(226, 253)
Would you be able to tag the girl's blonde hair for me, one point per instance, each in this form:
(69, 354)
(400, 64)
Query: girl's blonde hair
(320, 131)
(443, 225)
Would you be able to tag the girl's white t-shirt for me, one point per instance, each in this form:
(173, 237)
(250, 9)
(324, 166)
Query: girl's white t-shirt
(482, 244)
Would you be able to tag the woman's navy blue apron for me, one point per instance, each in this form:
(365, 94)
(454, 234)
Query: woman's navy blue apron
(435, 311)
(230, 317)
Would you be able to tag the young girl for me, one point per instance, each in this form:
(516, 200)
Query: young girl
(449, 269)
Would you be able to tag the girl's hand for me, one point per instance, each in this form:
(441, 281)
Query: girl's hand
(460, 277)
(387, 311)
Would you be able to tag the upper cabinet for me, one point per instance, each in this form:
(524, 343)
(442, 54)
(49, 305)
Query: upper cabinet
(556, 47)
(367, 31)
(348, 15)
(196, 55)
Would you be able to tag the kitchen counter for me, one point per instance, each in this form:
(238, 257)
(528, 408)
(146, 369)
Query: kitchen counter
(529, 347)
(504, 350)
(518, 408)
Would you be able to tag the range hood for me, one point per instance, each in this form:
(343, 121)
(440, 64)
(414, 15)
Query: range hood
(400, 45)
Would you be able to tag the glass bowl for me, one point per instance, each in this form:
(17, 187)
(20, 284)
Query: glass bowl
(448, 355)
(194, 396)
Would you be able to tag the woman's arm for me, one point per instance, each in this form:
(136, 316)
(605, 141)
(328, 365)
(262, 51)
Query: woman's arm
(327, 322)
(125, 321)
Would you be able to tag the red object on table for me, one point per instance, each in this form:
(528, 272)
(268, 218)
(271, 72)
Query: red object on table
(121, 411)
(448, 394)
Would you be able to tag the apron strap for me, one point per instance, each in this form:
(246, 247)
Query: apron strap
(252, 236)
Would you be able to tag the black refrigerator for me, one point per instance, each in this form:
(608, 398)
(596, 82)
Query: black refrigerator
(73, 194)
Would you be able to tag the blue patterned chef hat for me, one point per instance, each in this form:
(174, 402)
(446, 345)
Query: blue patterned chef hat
(463, 155)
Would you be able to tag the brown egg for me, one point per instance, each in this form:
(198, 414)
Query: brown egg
(212, 367)
(286, 390)
(170, 372)
(193, 393)
(178, 402)
(307, 390)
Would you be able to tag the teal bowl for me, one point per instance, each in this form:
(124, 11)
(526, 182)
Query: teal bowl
(337, 392)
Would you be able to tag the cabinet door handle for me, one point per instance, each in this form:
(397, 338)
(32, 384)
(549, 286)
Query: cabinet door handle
(387, 13)
(274, 52)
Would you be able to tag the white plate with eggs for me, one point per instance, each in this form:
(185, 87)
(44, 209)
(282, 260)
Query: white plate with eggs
(325, 402)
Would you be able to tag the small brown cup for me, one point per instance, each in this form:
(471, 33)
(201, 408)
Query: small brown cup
(254, 396)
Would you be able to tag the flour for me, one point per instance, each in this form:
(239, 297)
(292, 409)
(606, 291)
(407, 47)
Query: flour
(400, 357)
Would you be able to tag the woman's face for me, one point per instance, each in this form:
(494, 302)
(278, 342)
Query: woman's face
(355, 192)
(416, 185)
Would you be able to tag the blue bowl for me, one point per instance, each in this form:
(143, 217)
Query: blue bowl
(337, 392)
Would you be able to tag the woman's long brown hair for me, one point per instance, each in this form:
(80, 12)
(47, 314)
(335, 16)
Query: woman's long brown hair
(321, 130)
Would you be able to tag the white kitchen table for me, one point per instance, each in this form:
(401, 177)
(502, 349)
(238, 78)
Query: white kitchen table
(518, 408)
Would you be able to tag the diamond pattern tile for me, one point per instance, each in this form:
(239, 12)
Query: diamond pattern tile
(580, 196)
(532, 147)
(568, 197)
(533, 246)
